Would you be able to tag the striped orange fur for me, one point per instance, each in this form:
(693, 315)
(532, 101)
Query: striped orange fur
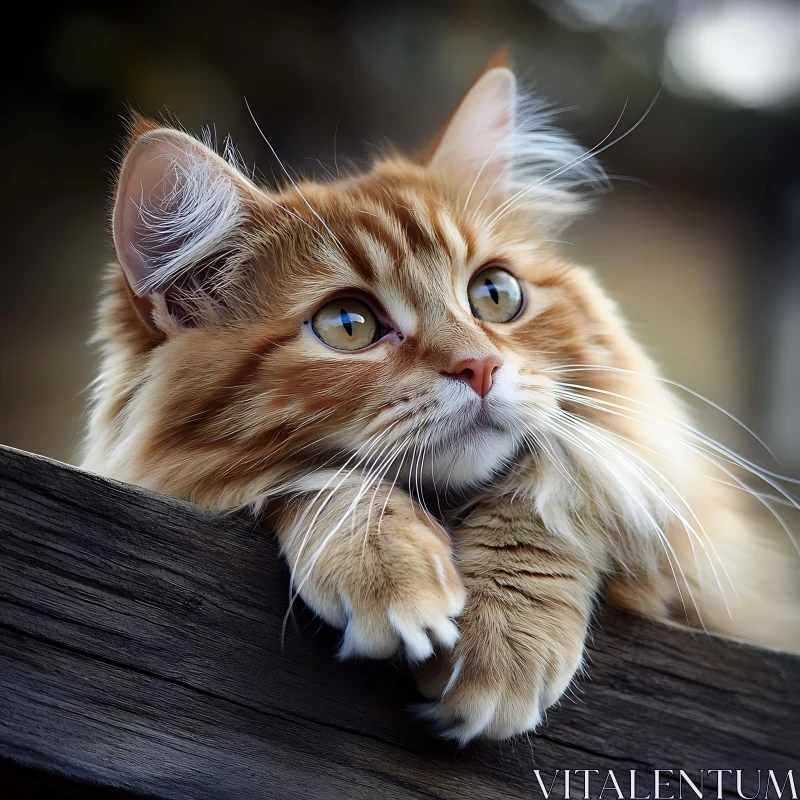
(576, 469)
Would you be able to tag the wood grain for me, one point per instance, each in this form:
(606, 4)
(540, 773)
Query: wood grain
(141, 648)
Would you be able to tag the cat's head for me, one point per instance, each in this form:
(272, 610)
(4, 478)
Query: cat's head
(403, 316)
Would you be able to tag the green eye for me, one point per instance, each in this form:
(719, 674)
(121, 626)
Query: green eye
(495, 295)
(346, 324)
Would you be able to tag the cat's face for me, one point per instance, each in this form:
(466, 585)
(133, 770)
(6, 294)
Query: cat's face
(399, 319)
(384, 333)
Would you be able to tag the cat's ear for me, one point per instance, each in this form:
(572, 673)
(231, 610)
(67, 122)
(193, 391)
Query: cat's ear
(478, 137)
(503, 139)
(180, 210)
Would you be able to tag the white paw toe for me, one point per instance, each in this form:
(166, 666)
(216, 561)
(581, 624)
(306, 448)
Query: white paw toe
(360, 640)
(445, 632)
(418, 645)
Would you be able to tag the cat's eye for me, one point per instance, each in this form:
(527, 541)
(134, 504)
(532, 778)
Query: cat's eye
(495, 295)
(346, 324)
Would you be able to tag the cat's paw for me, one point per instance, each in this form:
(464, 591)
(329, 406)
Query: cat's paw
(396, 592)
(506, 670)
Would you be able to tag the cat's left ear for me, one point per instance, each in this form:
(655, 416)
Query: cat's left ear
(478, 138)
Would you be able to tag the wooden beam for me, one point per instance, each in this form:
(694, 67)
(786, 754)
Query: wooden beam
(141, 647)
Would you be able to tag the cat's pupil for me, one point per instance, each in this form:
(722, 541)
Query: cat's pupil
(493, 293)
(346, 322)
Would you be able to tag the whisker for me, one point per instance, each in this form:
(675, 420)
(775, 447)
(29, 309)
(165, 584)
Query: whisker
(709, 449)
(689, 528)
(668, 549)
(721, 450)
(291, 179)
(370, 444)
(676, 384)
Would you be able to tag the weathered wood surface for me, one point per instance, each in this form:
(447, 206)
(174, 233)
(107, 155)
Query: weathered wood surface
(140, 647)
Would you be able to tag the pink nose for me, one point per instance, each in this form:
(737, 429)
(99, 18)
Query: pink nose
(477, 372)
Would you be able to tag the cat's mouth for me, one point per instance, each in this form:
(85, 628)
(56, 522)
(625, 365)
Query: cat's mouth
(477, 420)
(469, 445)
(484, 420)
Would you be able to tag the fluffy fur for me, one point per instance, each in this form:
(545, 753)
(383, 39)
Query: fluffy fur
(578, 470)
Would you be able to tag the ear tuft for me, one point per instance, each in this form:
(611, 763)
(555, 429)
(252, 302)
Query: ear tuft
(499, 59)
(138, 126)
(178, 207)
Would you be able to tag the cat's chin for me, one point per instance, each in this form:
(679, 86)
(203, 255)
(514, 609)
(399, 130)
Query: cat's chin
(470, 459)
(471, 444)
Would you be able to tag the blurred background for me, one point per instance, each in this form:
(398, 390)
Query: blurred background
(699, 241)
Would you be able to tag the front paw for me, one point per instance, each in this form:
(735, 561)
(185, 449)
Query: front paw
(512, 662)
(395, 590)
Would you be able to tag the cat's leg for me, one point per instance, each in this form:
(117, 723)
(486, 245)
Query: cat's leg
(530, 596)
(372, 564)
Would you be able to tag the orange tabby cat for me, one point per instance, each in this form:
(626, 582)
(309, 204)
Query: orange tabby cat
(331, 352)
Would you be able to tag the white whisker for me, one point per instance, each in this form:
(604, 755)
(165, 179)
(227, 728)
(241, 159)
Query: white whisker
(291, 179)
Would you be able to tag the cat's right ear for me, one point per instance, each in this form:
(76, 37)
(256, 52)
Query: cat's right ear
(503, 138)
(179, 214)
(478, 138)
